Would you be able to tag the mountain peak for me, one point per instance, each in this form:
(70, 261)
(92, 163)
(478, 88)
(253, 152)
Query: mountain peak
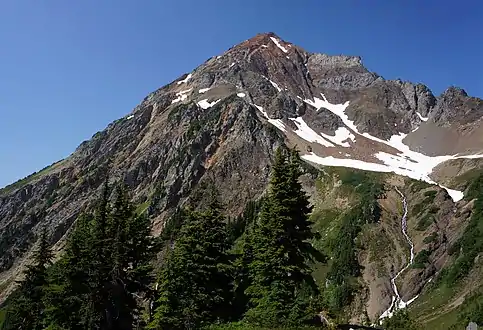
(454, 91)
(266, 40)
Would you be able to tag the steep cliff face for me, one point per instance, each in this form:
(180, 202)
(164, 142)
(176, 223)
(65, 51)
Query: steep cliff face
(221, 123)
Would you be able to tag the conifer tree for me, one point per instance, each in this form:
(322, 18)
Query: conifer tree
(280, 281)
(194, 282)
(105, 270)
(26, 311)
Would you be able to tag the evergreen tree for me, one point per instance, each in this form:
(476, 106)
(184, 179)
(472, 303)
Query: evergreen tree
(106, 269)
(281, 285)
(26, 310)
(400, 321)
(133, 250)
(194, 282)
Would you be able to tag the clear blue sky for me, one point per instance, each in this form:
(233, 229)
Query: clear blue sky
(68, 68)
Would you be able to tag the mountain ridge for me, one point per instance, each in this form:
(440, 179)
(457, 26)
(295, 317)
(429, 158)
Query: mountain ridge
(220, 124)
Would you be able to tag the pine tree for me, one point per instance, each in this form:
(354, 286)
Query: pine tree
(106, 269)
(26, 311)
(280, 277)
(133, 250)
(68, 298)
(194, 282)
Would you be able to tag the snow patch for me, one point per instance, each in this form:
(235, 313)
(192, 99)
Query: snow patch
(342, 134)
(407, 162)
(352, 163)
(240, 94)
(276, 86)
(232, 64)
(181, 96)
(130, 117)
(185, 80)
(265, 114)
(203, 90)
(421, 117)
(308, 134)
(205, 104)
(218, 57)
(278, 123)
(264, 46)
(276, 42)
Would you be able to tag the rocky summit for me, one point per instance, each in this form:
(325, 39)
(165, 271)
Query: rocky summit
(221, 123)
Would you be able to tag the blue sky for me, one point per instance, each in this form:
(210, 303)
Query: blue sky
(68, 68)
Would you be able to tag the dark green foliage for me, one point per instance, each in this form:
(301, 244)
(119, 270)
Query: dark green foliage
(25, 310)
(194, 284)
(431, 193)
(425, 222)
(343, 245)
(471, 310)
(419, 185)
(470, 244)
(400, 321)
(173, 225)
(431, 238)
(421, 259)
(238, 225)
(425, 203)
(105, 268)
(278, 251)
(475, 189)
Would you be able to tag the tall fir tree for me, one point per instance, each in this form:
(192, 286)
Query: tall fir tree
(281, 285)
(106, 269)
(27, 309)
(195, 286)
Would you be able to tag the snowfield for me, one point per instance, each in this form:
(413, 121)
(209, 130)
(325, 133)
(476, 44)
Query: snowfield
(405, 162)
(408, 163)
(204, 104)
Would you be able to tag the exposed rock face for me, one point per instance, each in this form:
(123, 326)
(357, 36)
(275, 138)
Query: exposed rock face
(211, 126)
(455, 107)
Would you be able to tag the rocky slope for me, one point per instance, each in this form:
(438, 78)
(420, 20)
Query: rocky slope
(220, 124)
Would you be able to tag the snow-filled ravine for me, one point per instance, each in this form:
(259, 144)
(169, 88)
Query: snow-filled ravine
(397, 302)
(407, 162)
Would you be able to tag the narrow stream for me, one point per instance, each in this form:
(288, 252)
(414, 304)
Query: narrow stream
(397, 302)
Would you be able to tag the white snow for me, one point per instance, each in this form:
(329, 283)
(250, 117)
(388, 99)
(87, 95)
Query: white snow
(185, 80)
(276, 42)
(276, 86)
(421, 117)
(232, 64)
(205, 104)
(341, 134)
(203, 90)
(407, 162)
(218, 57)
(240, 94)
(278, 123)
(181, 96)
(352, 163)
(130, 117)
(287, 57)
(308, 134)
(264, 46)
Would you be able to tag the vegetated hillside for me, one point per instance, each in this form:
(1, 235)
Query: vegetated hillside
(220, 124)
(359, 217)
